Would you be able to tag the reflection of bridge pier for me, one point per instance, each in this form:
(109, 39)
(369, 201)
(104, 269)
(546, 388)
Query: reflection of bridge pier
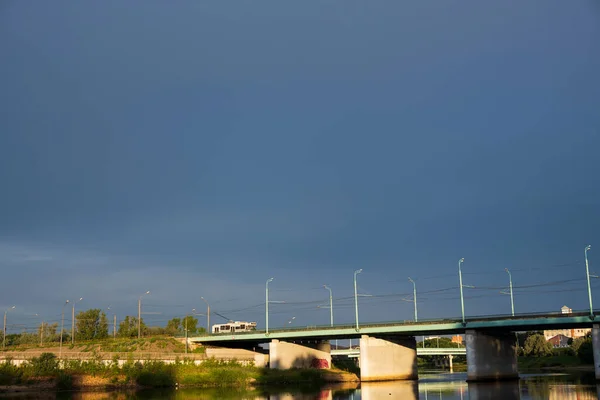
(405, 390)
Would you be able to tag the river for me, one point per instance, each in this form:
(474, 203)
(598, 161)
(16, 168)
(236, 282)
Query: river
(431, 386)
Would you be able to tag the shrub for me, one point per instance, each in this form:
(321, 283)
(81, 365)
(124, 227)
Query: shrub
(585, 352)
(64, 381)
(537, 346)
(45, 365)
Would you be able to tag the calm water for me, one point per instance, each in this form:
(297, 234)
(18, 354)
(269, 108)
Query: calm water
(430, 386)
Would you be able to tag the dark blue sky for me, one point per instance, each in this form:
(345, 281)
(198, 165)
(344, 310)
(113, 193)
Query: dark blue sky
(198, 149)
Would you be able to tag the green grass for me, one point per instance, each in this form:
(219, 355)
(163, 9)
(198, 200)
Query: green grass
(563, 361)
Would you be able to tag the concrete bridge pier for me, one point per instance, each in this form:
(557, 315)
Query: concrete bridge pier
(491, 356)
(596, 349)
(306, 354)
(392, 358)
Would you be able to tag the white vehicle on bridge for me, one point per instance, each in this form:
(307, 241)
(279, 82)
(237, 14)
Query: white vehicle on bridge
(234, 327)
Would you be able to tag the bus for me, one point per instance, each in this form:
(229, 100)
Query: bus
(234, 327)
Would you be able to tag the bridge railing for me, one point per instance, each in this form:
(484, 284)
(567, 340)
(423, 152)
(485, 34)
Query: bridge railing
(455, 320)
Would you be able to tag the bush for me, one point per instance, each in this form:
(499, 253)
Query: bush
(537, 346)
(156, 374)
(45, 365)
(64, 381)
(563, 351)
(10, 373)
(585, 351)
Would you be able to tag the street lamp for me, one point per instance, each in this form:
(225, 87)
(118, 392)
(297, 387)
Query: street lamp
(41, 330)
(330, 305)
(587, 272)
(207, 315)
(73, 321)
(114, 324)
(62, 328)
(267, 305)
(140, 314)
(462, 302)
(512, 302)
(290, 321)
(358, 271)
(414, 297)
(4, 330)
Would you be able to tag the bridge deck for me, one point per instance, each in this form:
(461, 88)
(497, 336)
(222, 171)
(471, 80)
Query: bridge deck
(426, 328)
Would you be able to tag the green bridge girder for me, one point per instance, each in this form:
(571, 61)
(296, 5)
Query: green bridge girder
(427, 328)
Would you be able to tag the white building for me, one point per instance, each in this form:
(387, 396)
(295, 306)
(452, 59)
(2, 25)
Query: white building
(572, 333)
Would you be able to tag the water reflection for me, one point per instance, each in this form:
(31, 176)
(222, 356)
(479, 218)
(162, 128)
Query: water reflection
(389, 390)
(507, 390)
(429, 387)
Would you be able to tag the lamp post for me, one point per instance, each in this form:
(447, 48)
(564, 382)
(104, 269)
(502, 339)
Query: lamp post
(41, 330)
(62, 328)
(73, 320)
(358, 271)
(4, 329)
(114, 324)
(186, 333)
(207, 315)
(140, 314)
(330, 305)
(414, 297)
(462, 302)
(512, 302)
(587, 272)
(267, 305)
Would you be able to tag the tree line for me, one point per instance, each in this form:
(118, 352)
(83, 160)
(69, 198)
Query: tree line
(93, 324)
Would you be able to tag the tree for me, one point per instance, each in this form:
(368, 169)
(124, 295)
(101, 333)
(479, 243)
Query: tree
(583, 348)
(177, 326)
(190, 323)
(537, 346)
(173, 326)
(91, 324)
(49, 332)
(129, 327)
(443, 342)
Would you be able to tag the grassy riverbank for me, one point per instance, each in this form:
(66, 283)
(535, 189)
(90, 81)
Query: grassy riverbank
(558, 362)
(44, 373)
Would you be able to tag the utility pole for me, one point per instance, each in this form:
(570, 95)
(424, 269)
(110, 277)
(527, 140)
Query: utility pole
(462, 302)
(267, 305)
(208, 330)
(4, 329)
(358, 271)
(73, 321)
(115, 326)
(140, 315)
(512, 301)
(414, 297)
(587, 272)
(62, 328)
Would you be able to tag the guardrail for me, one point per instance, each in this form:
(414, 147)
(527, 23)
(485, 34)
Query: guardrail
(428, 351)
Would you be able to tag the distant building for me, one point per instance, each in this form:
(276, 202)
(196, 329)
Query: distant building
(457, 339)
(559, 341)
(569, 333)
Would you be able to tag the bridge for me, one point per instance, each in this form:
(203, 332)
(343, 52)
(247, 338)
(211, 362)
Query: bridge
(428, 351)
(388, 350)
